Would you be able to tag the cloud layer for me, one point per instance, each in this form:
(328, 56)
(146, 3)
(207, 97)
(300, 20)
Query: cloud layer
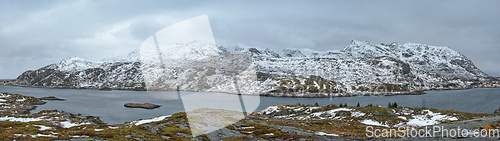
(34, 34)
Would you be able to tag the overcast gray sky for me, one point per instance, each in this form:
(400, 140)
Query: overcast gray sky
(37, 33)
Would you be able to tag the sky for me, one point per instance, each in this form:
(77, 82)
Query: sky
(34, 34)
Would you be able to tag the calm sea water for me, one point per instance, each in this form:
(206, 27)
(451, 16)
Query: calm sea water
(109, 104)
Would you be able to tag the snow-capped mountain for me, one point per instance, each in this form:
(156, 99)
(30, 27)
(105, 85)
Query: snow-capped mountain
(198, 66)
(359, 67)
(441, 60)
(74, 64)
(79, 73)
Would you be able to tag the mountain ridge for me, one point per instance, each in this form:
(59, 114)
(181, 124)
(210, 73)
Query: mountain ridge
(360, 67)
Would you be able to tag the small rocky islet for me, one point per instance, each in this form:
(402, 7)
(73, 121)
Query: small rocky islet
(51, 98)
(141, 105)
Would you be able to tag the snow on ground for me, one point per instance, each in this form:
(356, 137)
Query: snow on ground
(144, 121)
(406, 111)
(424, 120)
(98, 130)
(42, 127)
(309, 109)
(69, 124)
(331, 112)
(306, 112)
(326, 134)
(273, 109)
(372, 122)
(357, 114)
(4, 95)
(42, 135)
(6, 118)
(83, 136)
(34, 136)
(402, 117)
(243, 128)
(269, 134)
(270, 110)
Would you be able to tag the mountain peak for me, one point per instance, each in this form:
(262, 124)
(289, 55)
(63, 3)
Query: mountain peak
(359, 43)
(71, 59)
(291, 53)
(75, 64)
(394, 44)
(133, 56)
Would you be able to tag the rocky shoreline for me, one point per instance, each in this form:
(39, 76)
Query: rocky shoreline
(299, 95)
(325, 95)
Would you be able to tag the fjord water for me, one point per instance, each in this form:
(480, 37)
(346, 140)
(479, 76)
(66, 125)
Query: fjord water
(109, 104)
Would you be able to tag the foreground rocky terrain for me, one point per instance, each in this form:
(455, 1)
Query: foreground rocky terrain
(360, 68)
(282, 122)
